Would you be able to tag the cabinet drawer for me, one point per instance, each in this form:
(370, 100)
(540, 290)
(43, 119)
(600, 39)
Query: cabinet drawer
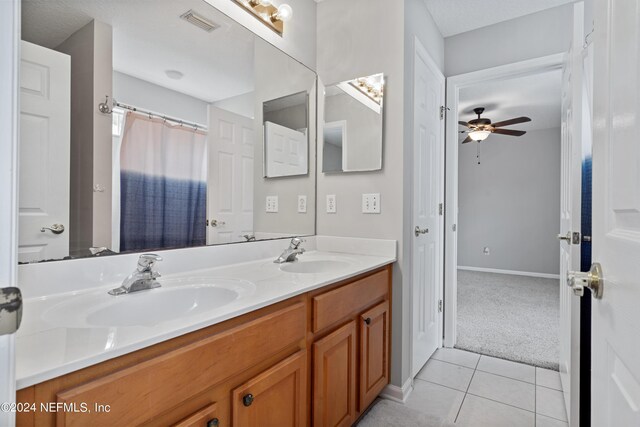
(335, 305)
(205, 417)
(140, 392)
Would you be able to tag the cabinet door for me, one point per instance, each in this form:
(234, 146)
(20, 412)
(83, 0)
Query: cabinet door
(374, 353)
(205, 417)
(276, 397)
(334, 378)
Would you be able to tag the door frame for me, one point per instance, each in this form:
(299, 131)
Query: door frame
(454, 85)
(9, 135)
(419, 49)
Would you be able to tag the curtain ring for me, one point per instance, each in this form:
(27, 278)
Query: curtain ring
(180, 123)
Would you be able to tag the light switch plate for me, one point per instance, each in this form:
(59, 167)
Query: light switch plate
(302, 204)
(272, 204)
(331, 203)
(371, 203)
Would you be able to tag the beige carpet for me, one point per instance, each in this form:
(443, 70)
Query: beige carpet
(386, 413)
(510, 317)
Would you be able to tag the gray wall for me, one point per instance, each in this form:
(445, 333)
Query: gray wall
(511, 203)
(376, 48)
(91, 142)
(531, 36)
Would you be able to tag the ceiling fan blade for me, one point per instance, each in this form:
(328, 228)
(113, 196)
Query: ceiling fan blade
(463, 124)
(509, 132)
(467, 139)
(511, 122)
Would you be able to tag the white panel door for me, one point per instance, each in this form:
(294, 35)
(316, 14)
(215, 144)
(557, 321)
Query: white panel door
(286, 151)
(428, 166)
(615, 351)
(570, 217)
(230, 177)
(45, 102)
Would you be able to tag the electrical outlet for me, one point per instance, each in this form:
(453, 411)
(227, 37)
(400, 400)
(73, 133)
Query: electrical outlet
(331, 203)
(371, 203)
(302, 204)
(486, 250)
(272, 204)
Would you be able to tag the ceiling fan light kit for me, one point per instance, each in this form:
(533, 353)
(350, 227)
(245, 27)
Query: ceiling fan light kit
(481, 128)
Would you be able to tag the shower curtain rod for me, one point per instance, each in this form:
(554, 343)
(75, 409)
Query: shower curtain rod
(151, 114)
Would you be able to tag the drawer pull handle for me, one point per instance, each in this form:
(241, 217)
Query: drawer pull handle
(367, 320)
(213, 423)
(247, 400)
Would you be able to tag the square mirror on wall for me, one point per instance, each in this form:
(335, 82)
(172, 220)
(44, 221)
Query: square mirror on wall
(352, 131)
(143, 129)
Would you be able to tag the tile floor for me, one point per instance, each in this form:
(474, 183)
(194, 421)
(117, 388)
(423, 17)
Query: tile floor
(481, 391)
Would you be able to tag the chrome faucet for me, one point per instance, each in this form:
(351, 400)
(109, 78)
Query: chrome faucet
(290, 254)
(143, 278)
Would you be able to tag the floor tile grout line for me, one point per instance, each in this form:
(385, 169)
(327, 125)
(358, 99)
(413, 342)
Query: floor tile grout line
(510, 378)
(548, 388)
(441, 385)
(467, 391)
(535, 397)
(452, 363)
(507, 404)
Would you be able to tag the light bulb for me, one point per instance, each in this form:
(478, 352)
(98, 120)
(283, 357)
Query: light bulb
(284, 13)
(479, 135)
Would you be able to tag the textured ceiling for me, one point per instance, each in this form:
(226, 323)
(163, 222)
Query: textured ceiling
(536, 96)
(149, 38)
(458, 16)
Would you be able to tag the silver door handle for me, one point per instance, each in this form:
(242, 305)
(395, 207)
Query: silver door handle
(55, 229)
(593, 279)
(566, 238)
(572, 238)
(418, 231)
(10, 310)
(216, 223)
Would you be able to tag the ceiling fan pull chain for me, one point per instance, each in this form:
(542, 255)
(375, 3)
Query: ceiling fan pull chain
(478, 155)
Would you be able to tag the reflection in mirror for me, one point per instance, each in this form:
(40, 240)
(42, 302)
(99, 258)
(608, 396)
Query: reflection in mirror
(141, 129)
(353, 123)
(286, 136)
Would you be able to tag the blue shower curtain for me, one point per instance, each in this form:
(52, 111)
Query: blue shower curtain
(163, 185)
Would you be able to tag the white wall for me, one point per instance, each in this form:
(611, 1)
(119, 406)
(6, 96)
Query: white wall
(360, 38)
(149, 96)
(531, 36)
(510, 203)
(299, 37)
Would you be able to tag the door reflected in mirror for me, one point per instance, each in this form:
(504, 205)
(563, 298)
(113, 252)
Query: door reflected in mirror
(286, 140)
(141, 130)
(353, 125)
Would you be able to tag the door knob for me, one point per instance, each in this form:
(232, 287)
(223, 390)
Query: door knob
(570, 238)
(418, 231)
(247, 399)
(215, 223)
(55, 229)
(593, 279)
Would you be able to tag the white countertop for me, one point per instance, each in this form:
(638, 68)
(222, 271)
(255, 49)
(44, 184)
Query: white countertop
(46, 349)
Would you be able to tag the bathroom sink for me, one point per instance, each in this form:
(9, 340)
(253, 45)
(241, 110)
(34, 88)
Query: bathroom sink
(315, 266)
(176, 299)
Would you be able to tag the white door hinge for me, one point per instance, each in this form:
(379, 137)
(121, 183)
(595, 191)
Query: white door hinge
(440, 306)
(441, 209)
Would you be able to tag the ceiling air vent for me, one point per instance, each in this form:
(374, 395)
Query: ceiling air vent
(199, 21)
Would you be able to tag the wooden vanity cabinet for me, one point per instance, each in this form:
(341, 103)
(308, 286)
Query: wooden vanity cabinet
(350, 361)
(319, 359)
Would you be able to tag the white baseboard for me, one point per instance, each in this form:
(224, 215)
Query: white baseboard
(517, 273)
(398, 394)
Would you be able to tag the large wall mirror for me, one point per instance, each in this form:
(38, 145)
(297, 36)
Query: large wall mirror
(142, 128)
(353, 125)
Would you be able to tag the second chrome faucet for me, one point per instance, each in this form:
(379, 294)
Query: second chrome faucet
(291, 253)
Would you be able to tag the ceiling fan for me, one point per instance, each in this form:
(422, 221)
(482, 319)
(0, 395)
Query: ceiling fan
(481, 128)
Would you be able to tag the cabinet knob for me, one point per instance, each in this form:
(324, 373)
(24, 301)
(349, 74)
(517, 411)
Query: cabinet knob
(213, 422)
(367, 320)
(247, 400)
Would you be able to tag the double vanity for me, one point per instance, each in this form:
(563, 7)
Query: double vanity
(298, 342)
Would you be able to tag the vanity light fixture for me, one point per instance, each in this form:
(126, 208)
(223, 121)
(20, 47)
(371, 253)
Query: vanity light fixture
(372, 86)
(267, 13)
